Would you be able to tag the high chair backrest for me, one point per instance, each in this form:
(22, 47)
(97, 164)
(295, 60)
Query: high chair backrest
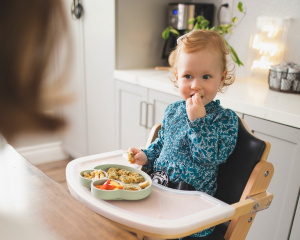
(235, 173)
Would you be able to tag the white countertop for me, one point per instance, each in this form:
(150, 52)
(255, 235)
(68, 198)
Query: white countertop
(247, 95)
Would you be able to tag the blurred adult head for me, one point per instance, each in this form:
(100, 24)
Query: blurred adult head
(30, 33)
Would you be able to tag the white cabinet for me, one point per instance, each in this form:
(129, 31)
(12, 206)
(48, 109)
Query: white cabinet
(137, 110)
(75, 137)
(91, 116)
(160, 101)
(275, 223)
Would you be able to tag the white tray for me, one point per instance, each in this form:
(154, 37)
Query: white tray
(165, 211)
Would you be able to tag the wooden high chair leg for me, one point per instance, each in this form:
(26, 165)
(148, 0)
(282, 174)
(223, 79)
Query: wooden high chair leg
(255, 189)
(240, 227)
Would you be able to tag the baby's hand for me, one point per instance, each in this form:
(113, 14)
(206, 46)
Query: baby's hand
(195, 108)
(139, 156)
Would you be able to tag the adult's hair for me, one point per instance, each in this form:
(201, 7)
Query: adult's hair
(198, 40)
(30, 33)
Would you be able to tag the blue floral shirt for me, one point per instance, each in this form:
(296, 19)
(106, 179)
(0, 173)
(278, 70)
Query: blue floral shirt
(192, 151)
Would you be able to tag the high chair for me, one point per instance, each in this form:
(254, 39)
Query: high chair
(242, 182)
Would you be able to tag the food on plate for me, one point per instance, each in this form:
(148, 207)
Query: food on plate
(130, 187)
(113, 169)
(124, 175)
(131, 157)
(137, 178)
(96, 174)
(113, 175)
(126, 179)
(110, 185)
(123, 172)
(144, 184)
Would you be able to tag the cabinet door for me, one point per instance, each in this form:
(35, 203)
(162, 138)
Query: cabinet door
(99, 57)
(75, 136)
(131, 115)
(275, 223)
(159, 101)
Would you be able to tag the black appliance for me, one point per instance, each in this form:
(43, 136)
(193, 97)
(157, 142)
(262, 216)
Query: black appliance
(178, 16)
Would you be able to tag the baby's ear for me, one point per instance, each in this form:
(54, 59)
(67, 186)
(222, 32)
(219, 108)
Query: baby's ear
(176, 75)
(224, 76)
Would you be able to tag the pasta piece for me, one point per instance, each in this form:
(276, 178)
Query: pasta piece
(144, 184)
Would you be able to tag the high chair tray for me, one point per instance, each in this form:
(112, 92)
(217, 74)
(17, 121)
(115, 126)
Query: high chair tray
(164, 211)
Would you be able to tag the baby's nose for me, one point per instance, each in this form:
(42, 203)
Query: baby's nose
(196, 85)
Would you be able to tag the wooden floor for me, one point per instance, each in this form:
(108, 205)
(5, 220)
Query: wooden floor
(56, 170)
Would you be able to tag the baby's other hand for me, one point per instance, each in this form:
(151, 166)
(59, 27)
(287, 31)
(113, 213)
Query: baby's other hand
(195, 107)
(139, 156)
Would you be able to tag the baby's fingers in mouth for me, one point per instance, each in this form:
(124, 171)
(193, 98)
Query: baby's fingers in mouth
(200, 94)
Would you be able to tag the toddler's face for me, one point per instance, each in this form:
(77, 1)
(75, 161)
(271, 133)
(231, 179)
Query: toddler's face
(200, 72)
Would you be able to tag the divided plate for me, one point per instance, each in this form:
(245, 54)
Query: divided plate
(119, 194)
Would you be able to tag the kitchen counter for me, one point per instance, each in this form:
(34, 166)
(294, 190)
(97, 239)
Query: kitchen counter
(247, 95)
(32, 206)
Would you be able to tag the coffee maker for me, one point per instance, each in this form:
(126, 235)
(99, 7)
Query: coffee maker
(178, 17)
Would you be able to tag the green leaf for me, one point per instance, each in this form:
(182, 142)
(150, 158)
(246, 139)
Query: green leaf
(233, 54)
(235, 57)
(234, 19)
(197, 26)
(200, 18)
(191, 21)
(174, 31)
(204, 23)
(240, 7)
(166, 33)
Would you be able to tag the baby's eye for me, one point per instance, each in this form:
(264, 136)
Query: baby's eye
(188, 76)
(206, 77)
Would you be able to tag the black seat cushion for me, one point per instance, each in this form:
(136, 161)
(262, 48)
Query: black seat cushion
(234, 174)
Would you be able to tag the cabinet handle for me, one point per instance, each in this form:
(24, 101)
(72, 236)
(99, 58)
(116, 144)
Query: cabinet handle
(141, 111)
(147, 115)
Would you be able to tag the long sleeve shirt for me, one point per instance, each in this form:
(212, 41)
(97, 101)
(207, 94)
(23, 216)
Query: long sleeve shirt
(191, 151)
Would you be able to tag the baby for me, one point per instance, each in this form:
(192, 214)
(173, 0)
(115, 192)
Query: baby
(197, 133)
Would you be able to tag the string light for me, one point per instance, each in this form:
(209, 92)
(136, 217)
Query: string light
(266, 44)
(271, 30)
(262, 63)
(265, 47)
